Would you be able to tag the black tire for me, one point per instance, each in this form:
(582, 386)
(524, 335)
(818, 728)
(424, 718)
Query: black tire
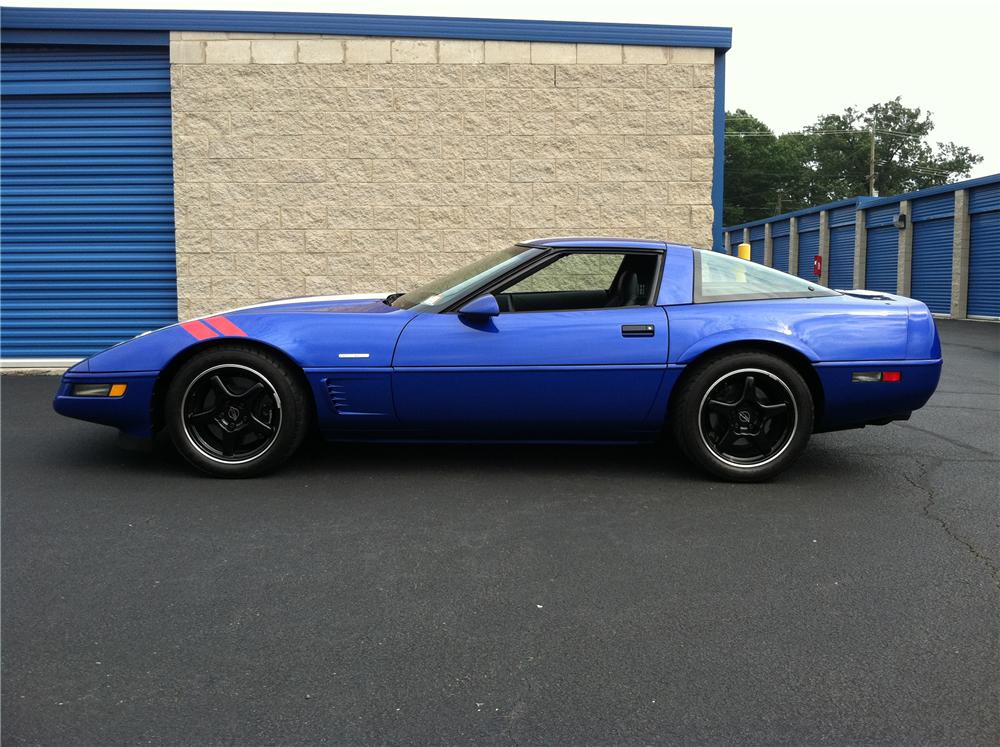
(743, 416)
(236, 411)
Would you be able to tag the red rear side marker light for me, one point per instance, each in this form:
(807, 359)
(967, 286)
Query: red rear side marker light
(864, 377)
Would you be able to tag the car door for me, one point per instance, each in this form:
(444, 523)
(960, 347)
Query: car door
(549, 372)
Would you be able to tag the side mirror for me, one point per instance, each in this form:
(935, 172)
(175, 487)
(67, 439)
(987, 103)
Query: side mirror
(482, 306)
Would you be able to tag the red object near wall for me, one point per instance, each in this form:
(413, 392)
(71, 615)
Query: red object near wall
(817, 265)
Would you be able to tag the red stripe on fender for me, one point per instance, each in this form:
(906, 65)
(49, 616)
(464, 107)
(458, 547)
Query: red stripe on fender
(225, 326)
(199, 331)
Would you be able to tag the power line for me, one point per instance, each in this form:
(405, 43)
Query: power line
(810, 132)
(900, 133)
(770, 133)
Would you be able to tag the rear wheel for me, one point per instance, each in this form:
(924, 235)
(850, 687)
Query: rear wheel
(236, 411)
(743, 416)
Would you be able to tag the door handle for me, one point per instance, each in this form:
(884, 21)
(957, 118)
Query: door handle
(638, 330)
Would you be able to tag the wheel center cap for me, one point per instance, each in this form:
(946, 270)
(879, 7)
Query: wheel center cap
(744, 417)
(233, 413)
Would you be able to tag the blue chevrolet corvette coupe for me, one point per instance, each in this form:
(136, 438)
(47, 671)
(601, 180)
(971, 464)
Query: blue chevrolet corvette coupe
(553, 340)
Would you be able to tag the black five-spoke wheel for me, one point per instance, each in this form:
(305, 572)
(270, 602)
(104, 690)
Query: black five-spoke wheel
(231, 413)
(748, 417)
(237, 410)
(743, 415)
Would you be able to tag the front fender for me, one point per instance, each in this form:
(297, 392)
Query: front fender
(148, 352)
(309, 338)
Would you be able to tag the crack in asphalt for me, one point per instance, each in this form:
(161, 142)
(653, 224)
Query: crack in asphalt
(882, 455)
(967, 346)
(961, 407)
(923, 484)
(952, 441)
(970, 394)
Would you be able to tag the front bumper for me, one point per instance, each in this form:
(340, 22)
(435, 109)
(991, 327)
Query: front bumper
(132, 412)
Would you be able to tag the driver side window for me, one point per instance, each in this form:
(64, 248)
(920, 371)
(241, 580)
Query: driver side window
(583, 280)
(572, 272)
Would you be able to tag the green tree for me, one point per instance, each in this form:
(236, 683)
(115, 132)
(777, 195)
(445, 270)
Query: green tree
(765, 174)
(904, 160)
(750, 186)
(831, 159)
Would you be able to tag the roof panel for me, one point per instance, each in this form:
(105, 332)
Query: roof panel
(368, 25)
(596, 242)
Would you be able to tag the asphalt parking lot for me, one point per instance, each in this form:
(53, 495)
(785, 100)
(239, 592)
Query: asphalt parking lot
(537, 595)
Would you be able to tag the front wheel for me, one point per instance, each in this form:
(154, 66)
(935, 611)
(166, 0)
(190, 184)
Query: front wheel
(743, 416)
(236, 411)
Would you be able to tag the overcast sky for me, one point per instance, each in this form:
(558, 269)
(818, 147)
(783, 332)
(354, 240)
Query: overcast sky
(790, 61)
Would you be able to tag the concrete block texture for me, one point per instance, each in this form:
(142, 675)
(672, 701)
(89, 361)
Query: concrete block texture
(414, 51)
(187, 52)
(507, 52)
(232, 52)
(599, 54)
(274, 51)
(545, 53)
(460, 51)
(321, 50)
(960, 257)
(320, 165)
(905, 256)
(368, 50)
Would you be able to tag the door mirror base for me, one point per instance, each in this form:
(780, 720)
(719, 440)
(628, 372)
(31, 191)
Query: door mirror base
(483, 306)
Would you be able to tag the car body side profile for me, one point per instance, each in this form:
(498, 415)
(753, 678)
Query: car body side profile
(552, 340)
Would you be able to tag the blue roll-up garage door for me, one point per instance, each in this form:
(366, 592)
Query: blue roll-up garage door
(882, 265)
(933, 236)
(984, 251)
(87, 198)
(808, 245)
(930, 279)
(757, 244)
(780, 245)
(840, 262)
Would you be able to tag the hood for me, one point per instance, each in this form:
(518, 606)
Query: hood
(358, 303)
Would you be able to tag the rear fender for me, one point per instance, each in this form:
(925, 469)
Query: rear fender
(748, 336)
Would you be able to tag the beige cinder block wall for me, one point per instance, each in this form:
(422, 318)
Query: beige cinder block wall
(313, 165)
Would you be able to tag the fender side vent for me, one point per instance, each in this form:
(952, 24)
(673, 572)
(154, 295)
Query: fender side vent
(337, 395)
(359, 396)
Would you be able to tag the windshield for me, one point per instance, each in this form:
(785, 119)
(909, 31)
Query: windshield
(451, 287)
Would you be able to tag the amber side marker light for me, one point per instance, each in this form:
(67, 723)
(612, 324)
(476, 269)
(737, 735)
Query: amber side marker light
(863, 377)
(99, 390)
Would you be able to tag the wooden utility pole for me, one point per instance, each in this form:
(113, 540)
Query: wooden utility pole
(871, 163)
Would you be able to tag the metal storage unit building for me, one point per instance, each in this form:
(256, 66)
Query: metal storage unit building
(940, 245)
(840, 263)
(930, 273)
(780, 244)
(808, 228)
(984, 258)
(87, 200)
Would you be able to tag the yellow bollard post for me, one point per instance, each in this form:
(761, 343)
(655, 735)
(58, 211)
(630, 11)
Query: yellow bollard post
(743, 251)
